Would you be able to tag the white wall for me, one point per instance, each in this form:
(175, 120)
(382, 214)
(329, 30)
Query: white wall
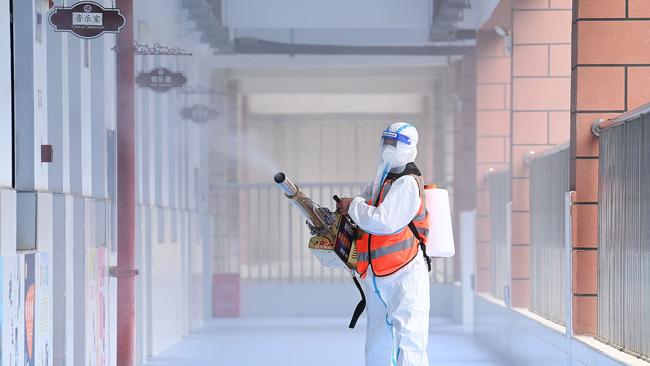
(6, 101)
(65, 96)
(7, 221)
(30, 94)
(171, 154)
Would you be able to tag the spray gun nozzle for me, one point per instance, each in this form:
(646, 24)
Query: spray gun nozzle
(279, 178)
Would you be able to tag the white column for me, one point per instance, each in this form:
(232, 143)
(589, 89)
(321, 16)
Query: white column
(30, 93)
(6, 139)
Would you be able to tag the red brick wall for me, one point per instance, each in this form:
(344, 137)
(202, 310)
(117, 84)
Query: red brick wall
(610, 74)
(464, 87)
(541, 87)
(465, 134)
(492, 136)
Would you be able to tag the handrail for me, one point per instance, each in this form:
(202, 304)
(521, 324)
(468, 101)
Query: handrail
(602, 124)
(300, 185)
(492, 171)
(532, 155)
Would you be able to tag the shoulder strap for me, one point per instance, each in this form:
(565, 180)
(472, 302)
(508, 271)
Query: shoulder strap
(421, 188)
(360, 306)
(410, 169)
(414, 230)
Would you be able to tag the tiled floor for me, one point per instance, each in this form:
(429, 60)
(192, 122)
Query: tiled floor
(307, 342)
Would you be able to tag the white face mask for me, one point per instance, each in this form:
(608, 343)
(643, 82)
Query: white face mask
(395, 158)
(388, 154)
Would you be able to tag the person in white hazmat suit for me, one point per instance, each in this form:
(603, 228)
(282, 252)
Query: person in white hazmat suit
(394, 270)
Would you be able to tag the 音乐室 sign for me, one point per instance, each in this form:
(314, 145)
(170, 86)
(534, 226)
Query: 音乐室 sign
(86, 19)
(161, 79)
(200, 113)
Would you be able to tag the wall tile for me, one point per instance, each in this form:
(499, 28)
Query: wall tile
(561, 4)
(585, 226)
(585, 271)
(541, 93)
(585, 313)
(530, 60)
(638, 85)
(613, 42)
(490, 149)
(638, 8)
(520, 262)
(559, 127)
(586, 180)
(520, 194)
(527, 25)
(493, 70)
(490, 96)
(530, 4)
(600, 88)
(493, 123)
(560, 60)
(520, 228)
(530, 127)
(601, 8)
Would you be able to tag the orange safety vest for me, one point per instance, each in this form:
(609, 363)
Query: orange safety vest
(389, 253)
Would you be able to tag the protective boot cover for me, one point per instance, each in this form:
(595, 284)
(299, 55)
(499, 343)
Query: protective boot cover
(398, 316)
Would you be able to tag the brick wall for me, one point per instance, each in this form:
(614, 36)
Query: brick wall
(541, 80)
(610, 75)
(464, 88)
(492, 137)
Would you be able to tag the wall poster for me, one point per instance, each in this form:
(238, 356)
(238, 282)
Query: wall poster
(96, 312)
(29, 272)
(43, 311)
(12, 311)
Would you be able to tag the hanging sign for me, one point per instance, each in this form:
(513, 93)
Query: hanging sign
(200, 113)
(161, 79)
(87, 19)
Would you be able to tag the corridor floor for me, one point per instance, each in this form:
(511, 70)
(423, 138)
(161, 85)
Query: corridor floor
(307, 342)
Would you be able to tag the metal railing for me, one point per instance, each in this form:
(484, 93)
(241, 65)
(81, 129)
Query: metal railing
(499, 185)
(549, 182)
(261, 236)
(624, 232)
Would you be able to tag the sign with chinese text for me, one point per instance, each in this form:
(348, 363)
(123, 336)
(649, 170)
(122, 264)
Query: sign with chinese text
(87, 19)
(30, 298)
(200, 113)
(161, 79)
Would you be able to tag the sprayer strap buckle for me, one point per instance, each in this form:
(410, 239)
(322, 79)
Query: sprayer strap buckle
(420, 241)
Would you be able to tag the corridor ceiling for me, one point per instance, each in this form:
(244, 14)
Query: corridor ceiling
(339, 27)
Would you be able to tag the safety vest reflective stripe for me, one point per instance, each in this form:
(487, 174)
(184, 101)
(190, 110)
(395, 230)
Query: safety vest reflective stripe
(389, 249)
(423, 231)
(421, 216)
(391, 252)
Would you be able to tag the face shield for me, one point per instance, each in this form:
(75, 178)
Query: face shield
(396, 149)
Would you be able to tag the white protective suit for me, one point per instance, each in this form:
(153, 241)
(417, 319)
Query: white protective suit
(397, 305)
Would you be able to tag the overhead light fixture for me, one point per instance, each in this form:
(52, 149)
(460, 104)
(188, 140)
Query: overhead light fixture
(507, 39)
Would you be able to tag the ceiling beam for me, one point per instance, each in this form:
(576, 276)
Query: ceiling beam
(413, 72)
(336, 86)
(316, 61)
(259, 46)
(369, 118)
